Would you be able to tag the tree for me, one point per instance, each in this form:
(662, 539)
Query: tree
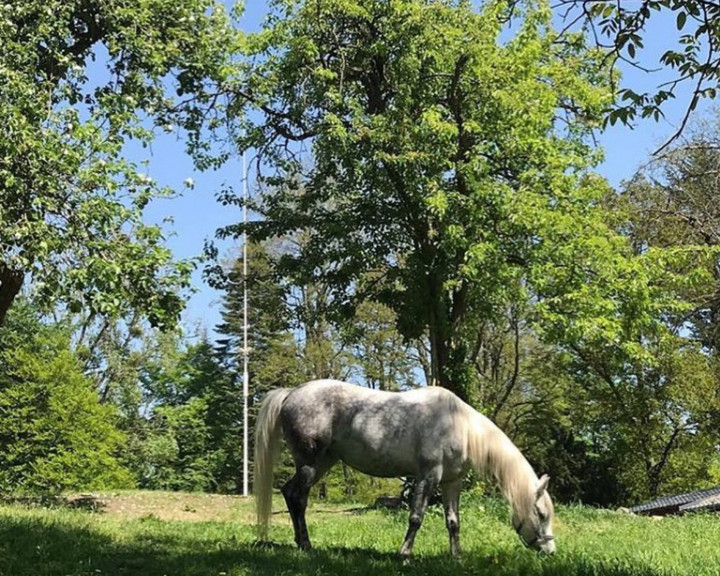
(672, 203)
(70, 205)
(621, 28)
(54, 433)
(190, 439)
(651, 390)
(632, 415)
(654, 411)
(382, 357)
(275, 357)
(273, 352)
(550, 414)
(448, 170)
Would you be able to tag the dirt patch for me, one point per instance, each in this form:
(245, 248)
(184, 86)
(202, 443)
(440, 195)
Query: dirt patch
(191, 507)
(175, 506)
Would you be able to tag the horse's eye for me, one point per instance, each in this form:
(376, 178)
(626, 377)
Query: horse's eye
(542, 515)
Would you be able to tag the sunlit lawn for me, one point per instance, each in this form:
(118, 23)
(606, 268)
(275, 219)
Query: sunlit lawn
(145, 534)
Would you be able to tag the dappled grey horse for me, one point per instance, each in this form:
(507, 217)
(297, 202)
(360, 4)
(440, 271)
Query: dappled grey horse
(428, 433)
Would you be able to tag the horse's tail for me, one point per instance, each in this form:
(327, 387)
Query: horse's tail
(267, 446)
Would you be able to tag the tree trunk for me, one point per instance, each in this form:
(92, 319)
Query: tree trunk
(447, 359)
(11, 282)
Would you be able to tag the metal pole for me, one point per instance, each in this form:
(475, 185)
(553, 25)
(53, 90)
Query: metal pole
(245, 333)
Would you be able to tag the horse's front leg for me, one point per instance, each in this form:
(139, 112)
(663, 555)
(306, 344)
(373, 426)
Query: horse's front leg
(451, 502)
(424, 488)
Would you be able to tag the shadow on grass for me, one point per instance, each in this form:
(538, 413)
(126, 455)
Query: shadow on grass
(35, 547)
(354, 511)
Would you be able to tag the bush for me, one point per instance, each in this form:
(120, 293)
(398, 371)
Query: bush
(54, 433)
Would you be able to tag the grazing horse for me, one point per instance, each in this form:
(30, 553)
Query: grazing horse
(428, 433)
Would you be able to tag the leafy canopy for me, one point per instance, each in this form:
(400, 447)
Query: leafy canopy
(446, 167)
(692, 59)
(71, 205)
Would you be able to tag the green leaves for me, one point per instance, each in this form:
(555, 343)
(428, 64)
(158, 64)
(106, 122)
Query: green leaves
(436, 157)
(620, 29)
(681, 19)
(72, 206)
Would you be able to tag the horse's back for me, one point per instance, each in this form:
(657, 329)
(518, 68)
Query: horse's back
(315, 408)
(309, 410)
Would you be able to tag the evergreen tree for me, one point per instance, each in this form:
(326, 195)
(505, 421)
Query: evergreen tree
(54, 433)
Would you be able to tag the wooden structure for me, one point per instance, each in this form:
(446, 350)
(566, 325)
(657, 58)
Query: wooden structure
(680, 503)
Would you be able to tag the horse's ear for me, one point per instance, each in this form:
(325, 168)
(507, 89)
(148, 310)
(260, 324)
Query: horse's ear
(542, 485)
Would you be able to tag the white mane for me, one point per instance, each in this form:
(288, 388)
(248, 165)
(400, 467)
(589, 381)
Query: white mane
(490, 451)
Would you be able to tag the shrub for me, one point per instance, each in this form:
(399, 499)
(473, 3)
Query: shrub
(54, 433)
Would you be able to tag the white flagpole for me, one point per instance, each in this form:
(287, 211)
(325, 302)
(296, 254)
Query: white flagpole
(245, 333)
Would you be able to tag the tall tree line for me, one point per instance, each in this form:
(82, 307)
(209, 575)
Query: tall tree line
(443, 226)
(437, 187)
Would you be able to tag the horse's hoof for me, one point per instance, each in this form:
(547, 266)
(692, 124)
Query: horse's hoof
(264, 544)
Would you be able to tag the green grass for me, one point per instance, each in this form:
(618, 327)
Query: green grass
(348, 541)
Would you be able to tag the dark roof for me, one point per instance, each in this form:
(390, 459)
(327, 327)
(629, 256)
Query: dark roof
(710, 502)
(677, 500)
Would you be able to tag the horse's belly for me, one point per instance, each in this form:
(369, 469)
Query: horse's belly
(380, 468)
(377, 460)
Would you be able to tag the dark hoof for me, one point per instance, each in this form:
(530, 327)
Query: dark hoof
(266, 544)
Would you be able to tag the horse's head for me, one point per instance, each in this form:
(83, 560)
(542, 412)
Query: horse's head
(535, 525)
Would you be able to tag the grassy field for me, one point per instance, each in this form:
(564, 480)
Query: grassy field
(148, 534)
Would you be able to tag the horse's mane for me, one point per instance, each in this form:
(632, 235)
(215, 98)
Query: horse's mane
(491, 452)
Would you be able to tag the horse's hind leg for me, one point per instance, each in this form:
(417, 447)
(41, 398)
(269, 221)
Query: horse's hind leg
(424, 488)
(296, 492)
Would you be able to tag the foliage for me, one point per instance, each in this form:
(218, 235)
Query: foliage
(54, 433)
(621, 28)
(71, 206)
(191, 438)
(274, 355)
(383, 358)
(343, 484)
(618, 421)
(636, 412)
(547, 416)
(665, 398)
(273, 352)
(437, 185)
(671, 205)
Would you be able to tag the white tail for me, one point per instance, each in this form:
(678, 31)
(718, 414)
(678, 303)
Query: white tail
(267, 447)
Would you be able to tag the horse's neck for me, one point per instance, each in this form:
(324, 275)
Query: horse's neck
(503, 460)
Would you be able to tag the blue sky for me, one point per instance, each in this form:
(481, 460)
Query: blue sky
(197, 215)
